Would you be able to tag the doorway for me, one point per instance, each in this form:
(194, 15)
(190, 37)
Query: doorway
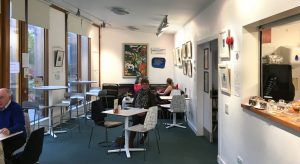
(208, 76)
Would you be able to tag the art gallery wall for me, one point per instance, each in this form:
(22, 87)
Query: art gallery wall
(112, 41)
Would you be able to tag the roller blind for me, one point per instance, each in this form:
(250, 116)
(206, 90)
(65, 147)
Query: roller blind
(38, 13)
(74, 24)
(17, 9)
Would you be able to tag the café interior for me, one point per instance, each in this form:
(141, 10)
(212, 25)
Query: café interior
(236, 61)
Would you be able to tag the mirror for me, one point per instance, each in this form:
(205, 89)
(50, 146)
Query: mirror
(280, 59)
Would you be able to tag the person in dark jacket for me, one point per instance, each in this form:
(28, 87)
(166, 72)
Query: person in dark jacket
(143, 99)
(11, 121)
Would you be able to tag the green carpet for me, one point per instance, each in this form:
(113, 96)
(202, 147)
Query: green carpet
(177, 146)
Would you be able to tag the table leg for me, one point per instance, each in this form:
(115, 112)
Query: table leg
(2, 159)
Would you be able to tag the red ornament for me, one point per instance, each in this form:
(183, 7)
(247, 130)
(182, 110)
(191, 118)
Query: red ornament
(229, 40)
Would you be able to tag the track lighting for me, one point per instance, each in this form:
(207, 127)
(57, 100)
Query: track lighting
(78, 12)
(162, 27)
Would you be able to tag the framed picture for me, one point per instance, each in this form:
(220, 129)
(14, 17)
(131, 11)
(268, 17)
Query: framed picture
(59, 58)
(183, 51)
(189, 49)
(184, 67)
(179, 57)
(224, 76)
(158, 62)
(189, 68)
(224, 48)
(206, 58)
(135, 60)
(206, 81)
(175, 57)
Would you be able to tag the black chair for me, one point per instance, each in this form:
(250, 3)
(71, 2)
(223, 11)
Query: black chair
(99, 120)
(32, 150)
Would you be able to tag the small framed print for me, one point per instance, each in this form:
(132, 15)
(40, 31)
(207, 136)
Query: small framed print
(206, 58)
(224, 76)
(189, 49)
(184, 65)
(183, 51)
(206, 82)
(189, 68)
(59, 58)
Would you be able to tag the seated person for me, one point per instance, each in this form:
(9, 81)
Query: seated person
(11, 121)
(137, 86)
(170, 86)
(143, 99)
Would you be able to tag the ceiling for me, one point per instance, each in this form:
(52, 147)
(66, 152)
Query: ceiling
(145, 15)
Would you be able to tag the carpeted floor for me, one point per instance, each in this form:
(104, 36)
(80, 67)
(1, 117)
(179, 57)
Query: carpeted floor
(177, 146)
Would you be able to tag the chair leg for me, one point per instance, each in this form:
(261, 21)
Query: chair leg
(157, 142)
(91, 137)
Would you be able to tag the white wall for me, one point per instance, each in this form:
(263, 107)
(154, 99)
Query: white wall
(56, 42)
(241, 133)
(94, 35)
(112, 41)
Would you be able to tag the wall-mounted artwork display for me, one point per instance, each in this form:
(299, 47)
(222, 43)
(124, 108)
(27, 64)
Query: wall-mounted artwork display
(158, 62)
(183, 51)
(189, 68)
(206, 82)
(224, 48)
(135, 59)
(184, 67)
(158, 51)
(59, 58)
(179, 57)
(175, 57)
(206, 58)
(224, 76)
(189, 49)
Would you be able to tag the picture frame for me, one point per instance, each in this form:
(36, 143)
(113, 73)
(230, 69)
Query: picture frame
(183, 51)
(179, 57)
(206, 59)
(224, 78)
(223, 47)
(174, 57)
(135, 60)
(206, 82)
(184, 67)
(189, 49)
(59, 58)
(189, 68)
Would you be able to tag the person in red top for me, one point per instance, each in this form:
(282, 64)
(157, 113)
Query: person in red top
(137, 86)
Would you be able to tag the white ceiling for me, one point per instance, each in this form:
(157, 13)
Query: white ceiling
(146, 15)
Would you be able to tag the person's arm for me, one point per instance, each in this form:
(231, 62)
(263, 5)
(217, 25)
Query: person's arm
(167, 91)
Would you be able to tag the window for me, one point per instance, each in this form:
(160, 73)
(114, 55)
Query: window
(72, 59)
(84, 58)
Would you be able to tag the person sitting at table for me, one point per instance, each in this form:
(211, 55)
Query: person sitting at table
(170, 86)
(11, 121)
(137, 86)
(143, 99)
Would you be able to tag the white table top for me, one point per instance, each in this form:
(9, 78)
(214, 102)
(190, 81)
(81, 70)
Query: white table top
(2, 137)
(170, 98)
(50, 87)
(126, 113)
(83, 81)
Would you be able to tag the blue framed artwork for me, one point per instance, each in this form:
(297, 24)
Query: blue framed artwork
(158, 62)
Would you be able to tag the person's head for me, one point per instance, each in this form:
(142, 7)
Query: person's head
(145, 83)
(169, 81)
(4, 97)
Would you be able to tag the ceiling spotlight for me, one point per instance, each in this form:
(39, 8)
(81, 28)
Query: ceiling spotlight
(103, 25)
(162, 27)
(119, 11)
(78, 13)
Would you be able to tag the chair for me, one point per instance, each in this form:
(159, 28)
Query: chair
(167, 106)
(32, 150)
(178, 105)
(149, 124)
(93, 92)
(26, 105)
(112, 93)
(99, 120)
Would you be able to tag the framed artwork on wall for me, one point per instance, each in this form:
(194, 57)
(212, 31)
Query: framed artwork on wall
(135, 59)
(189, 68)
(59, 58)
(189, 49)
(158, 62)
(174, 57)
(184, 65)
(206, 81)
(179, 57)
(223, 47)
(183, 51)
(224, 77)
(206, 58)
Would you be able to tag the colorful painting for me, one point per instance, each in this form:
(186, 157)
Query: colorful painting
(135, 60)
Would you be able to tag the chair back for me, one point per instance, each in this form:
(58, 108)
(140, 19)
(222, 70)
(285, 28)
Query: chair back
(151, 118)
(29, 105)
(96, 112)
(178, 104)
(175, 92)
(102, 93)
(33, 147)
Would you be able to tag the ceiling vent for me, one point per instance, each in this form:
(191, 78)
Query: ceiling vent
(119, 11)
